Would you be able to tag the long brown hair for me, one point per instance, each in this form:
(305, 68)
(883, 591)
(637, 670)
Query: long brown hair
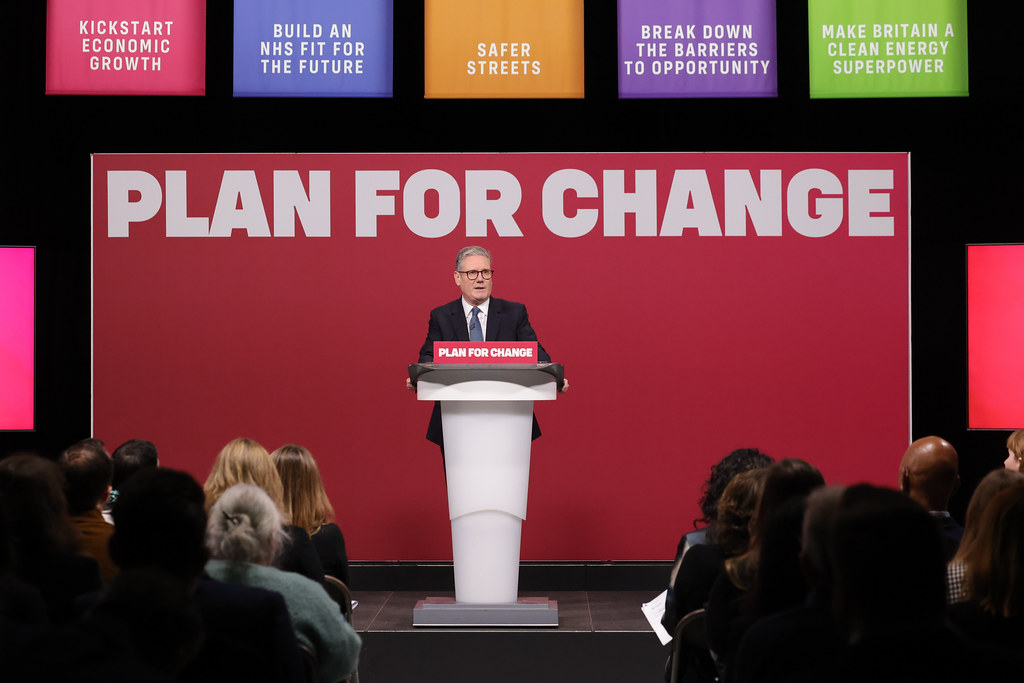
(995, 572)
(304, 496)
(992, 483)
(735, 509)
(785, 479)
(243, 461)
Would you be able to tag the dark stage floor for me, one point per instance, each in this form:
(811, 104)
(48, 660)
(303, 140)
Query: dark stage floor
(601, 636)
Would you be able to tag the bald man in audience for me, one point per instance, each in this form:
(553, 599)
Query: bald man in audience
(929, 475)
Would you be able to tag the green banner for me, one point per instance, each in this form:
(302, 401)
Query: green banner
(887, 48)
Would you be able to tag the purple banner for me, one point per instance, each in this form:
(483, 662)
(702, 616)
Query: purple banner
(699, 48)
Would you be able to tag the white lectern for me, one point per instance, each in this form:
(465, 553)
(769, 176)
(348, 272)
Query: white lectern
(487, 418)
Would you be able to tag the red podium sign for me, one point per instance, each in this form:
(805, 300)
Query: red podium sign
(485, 352)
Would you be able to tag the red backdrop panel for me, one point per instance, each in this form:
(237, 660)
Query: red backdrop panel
(995, 335)
(678, 348)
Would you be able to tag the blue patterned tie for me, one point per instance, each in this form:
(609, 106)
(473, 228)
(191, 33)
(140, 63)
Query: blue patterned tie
(476, 332)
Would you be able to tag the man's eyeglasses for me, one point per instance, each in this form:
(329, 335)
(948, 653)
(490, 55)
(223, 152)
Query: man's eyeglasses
(474, 274)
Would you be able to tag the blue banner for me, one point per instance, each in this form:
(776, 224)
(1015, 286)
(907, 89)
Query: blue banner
(313, 48)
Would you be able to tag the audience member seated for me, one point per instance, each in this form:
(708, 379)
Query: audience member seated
(701, 565)
(87, 475)
(42, 535)
(987, 488)
(994, 613)
(244, 533)
(128, 458)
(1015, 451)
(929, 475)
(797, 644)
(143, 628)
(161, 523)
(729, 612)
(22, 610)
(697, 570)
(243, 461)
(888, 561)
(307, 505)
(780, 584)
(722, 472)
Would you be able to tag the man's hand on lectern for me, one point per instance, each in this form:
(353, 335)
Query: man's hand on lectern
(408, 384)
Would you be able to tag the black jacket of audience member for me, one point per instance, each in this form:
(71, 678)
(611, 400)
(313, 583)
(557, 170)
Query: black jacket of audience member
(330, 546)
(300, 555)
(791, 646)
(249, 636)
(984, 627)
(61, 578)
(698, 570)
(161, 522)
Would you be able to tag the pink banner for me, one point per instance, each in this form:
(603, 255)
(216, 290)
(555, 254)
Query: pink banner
(17, 337)
(699, 303)
(126, 47)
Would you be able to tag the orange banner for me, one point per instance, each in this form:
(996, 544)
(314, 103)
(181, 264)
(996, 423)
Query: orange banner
(503, 48)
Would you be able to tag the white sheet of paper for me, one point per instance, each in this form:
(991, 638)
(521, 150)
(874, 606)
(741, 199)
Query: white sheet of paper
(654, 611)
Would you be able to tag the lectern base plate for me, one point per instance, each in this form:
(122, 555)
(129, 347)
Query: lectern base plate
(445, 612)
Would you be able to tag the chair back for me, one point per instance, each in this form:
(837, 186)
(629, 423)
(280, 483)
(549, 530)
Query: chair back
(691, 658)
(310, 664)
(340, 593)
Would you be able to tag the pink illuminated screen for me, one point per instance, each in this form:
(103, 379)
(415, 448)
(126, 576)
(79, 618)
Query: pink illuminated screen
(995, 336)
(17, 337)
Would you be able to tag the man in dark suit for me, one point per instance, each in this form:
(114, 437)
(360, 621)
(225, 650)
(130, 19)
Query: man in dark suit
(476, 316)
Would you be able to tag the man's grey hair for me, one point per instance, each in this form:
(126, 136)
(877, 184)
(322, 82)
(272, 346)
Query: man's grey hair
(245, 526)
(470, 251)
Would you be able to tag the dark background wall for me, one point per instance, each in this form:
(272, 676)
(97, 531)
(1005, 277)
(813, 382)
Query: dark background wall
(966, 175)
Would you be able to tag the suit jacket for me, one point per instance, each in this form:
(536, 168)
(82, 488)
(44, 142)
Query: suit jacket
(506, 321)
(952, 532)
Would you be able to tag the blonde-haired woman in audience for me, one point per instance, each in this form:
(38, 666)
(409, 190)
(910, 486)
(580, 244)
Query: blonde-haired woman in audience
(993, 482)
(244, 533)
(244, 461)
(1015, 449)
(306, 503)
